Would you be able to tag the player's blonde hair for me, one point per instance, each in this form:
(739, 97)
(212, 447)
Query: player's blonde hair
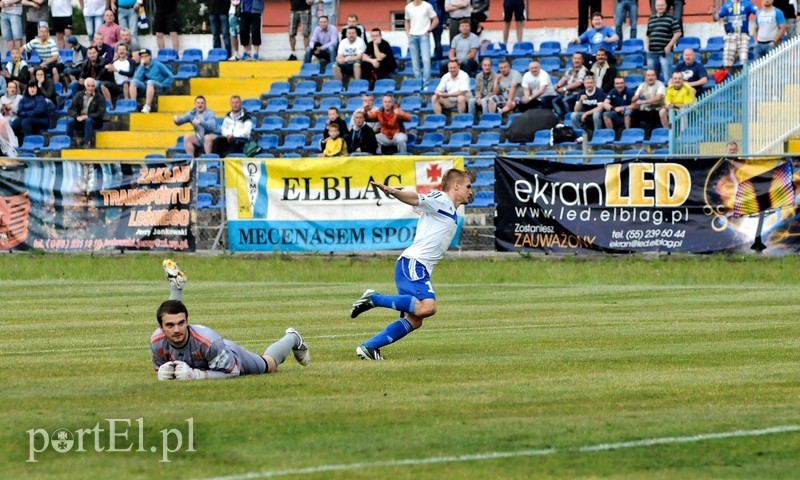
(454, 176)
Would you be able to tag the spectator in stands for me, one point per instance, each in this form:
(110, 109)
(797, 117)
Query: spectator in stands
(506, 91)
(441, 16)
(235, 131)
(457, 10)
(732, 148)
(333, 117)
(589, 106)
(47, 88)
(736, 15)
(646, 102)
(32, 115)
(104, 50)
(484, 82)
(151, 77)
(694, 73)
(480, 13)
(250, 30)
(615, 106)
(361, 138)
(352, 21)
(629, 8)
(47, 50)
(9, 103)
(787, 7)
(61, 10)
(221, 32)
(603, 71)
(126, 38)
(204, 126)
(37, 14)
(323, 8)
(93, 11)
(769, 28)
(391, 118)
(123, 69)
(516, 9)
(464, 48)
(537, 88)
(234, 30)
(420, 20)
(679, 95)
(675, 7)
(348, 55)
(128, 15)
(72, 71)
(569, 85)
(599, 36)
(95, 68)
(16, 70)
(166, 20)
(110, 29)
(12, 28)
(378, 60)
(335, 145)
(663, 32)
(453, 89)
(324, 41)
(86, 112)
(586, 8)
(367, 106)
(299, 17)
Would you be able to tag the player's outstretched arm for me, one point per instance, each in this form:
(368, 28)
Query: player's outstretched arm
(184, 372)
(409, 197)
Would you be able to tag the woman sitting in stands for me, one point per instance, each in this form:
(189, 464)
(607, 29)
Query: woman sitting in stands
(32, 116)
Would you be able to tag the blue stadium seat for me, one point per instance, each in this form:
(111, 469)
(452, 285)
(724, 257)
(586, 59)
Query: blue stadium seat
(433, 123)
(276, 105)
(205, 201)
(494, 51)
(489, 121)
(604, 136)
(632, 154)
(510, 118)
(33, 58)
(304, 88)
(483, 199)
(252, 105)
(661, 151)
(291, 155)
(548, 155)
(411, 104)
(167, 55)
(384, 86)
(691, 135)
(486, 140)
(353, 104)
(331, 87)
(517, 153)
(410, 86)
(631, 136)
(308, 70)
(461, 121)
(551, 64)
(66, 55)
(278, 89)
(480, 163)
(573, 157)
(32, 142)
(268, 141)
(61, 126)
(357, 87)
(216, 55)
(155, 157)
(302, 105)
(576, 48)
(207, 180)
(413, 123)
(313, 145)
(209, 156)
(265, 155)
(720, 115)
(521, 49)
(601, 157)
(293, 141)
(329, 102)
(659, 136)
(186, 72)
(124, 106)
(59, 142)
(484, 179)
(714, 60)
(687, 42)
(633, 80)
(631, 62)
(320, 122)
(632, 45)
(714, 44)
(192, 55)
(458, 140)
(541, 138)
(430, 140)
(521, 64)
(271, 123)
(549, 48)
(298, 124)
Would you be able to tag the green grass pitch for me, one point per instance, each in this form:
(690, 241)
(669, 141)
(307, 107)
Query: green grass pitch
(533, 368)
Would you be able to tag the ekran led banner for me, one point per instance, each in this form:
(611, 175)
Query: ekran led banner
(72, 205)
(673, 205)
(327, 204)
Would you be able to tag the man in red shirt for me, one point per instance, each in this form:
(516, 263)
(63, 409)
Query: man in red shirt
(391, 118)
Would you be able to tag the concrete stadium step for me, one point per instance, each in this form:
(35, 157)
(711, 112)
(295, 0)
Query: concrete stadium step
(137, 140)
(245, 87)
(110, 154)
(180, 104)
(161, 122)
(262, 70)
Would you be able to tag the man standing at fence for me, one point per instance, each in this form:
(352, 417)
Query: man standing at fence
(736, 15)
(663, 32)
(769, 29)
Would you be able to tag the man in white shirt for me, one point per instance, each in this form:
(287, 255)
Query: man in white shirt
(348, 56)
(537, 89)
(453, 90)
(420, 20)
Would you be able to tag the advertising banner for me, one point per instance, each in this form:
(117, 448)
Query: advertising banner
(326, 204)
(85, 206)
(674, 205)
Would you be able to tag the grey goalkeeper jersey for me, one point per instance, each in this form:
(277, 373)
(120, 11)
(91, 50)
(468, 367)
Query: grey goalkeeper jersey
(207, 350)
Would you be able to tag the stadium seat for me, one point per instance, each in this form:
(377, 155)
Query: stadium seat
(461, 121)
(480, 163)
(714, 60)
(384, 86)
(483, 199)
(433, 123)
(192, 55)
(601, 157)
(521, 49)
(573, 157)
(458, 140)
(548, 155)
(252, 105)
(33, 58)
(301, 105)
(604, 136)
(573, 48)
(66, 55)
(309, 70)
(59, 142)
(291, 155)
(521, 64)
(207, 180)
(714, 44)
(32, 143)
(320, 122)
(278, 89)
(541, 138)
(268, 141)
(293, 141)
(489, 121)
(331, 87)
(329, 102)
(550, 64)
(236, 155)
(205, 201)
(486, 140)
(633, 80)
(430, 140)
(632, 154)
(661, 151)
(186, 72)
(182, 156)
(691, 135)
(124, 106)
(410, 86)
(61, 126)
(631, 136)
(549, 48)
(484, 179)
(517, 153)
(271, 123)
(509, 119)
(687, 42)
(276, 105)
(217, 55)
(632, 45)
(413, 123)
(353, 104)
(167, 55)
(209, 156)
(156, 157)
(494, 51)
(298, 124)
(265, 155)
(313, 145)
(304, 88)
(357, 87)
(411, 104)
(658, 136)
(721, 115)
(631, 62)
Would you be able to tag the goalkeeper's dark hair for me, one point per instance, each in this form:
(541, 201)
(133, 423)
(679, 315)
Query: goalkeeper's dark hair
(171, 307)
(452, 176)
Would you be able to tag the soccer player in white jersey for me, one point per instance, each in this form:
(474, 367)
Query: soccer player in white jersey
(193, 352)
(412, 275)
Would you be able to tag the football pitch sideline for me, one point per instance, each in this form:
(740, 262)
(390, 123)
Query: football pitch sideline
(656, 368)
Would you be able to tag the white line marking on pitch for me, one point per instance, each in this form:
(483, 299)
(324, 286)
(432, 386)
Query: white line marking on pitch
(520, 453)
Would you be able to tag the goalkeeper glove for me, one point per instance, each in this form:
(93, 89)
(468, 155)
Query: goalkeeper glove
(184, 372)
(166, 371)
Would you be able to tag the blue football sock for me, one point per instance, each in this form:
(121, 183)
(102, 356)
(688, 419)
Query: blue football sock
(392, 333)
(401, 303)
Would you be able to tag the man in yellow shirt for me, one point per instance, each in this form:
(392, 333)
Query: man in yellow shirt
(679, 94)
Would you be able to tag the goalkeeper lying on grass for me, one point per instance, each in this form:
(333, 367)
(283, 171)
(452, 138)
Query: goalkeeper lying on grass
(193, 352)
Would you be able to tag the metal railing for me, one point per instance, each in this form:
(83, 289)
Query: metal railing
(757, 108)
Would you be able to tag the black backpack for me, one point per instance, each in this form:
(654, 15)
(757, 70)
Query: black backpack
(525, 126)
(562, 134)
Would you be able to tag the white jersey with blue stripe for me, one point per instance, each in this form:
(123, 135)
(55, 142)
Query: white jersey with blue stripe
(435, 229)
